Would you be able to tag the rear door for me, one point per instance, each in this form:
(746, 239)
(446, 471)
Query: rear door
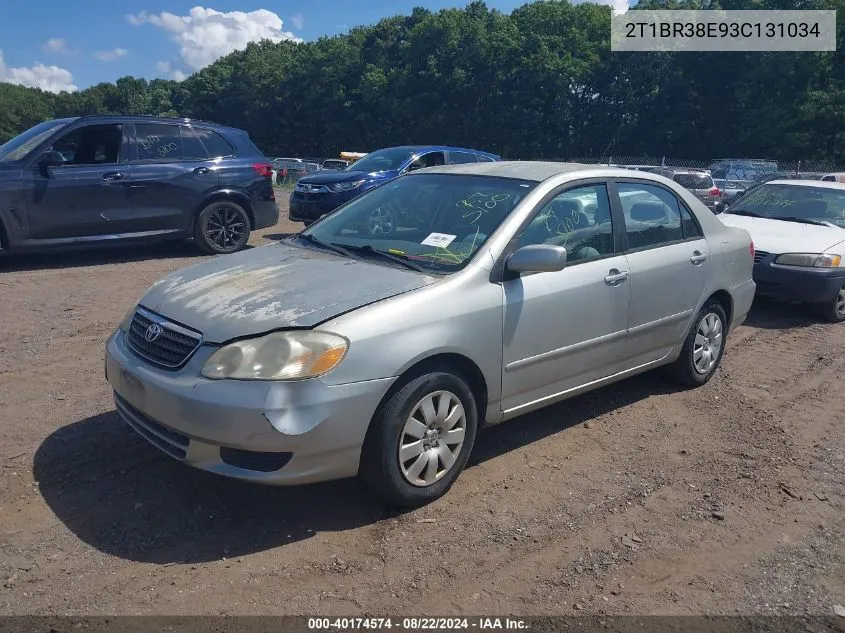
(171, 175)
(669, 261)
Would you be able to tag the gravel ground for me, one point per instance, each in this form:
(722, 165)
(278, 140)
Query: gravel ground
(637, 498)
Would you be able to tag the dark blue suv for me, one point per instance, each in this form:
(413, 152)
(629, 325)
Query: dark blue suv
(315, 196)
(105, 178)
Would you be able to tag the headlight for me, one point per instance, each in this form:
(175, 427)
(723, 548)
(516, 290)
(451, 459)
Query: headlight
(278, 356)
(346, 186)
(816, 260)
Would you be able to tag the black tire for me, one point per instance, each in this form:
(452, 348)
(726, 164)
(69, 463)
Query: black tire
(233, 234)
(308, 223)
(381, 469)
(834, 309)
(684, 369)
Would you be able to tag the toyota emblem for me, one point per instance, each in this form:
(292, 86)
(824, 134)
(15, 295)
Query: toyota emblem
(152, 333)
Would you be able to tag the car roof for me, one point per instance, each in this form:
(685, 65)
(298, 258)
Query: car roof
(439, 148)
(537, 171)
(809, 183)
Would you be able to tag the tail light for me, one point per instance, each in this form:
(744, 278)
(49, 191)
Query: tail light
(751, 249)
(715, 191)
(263, 169)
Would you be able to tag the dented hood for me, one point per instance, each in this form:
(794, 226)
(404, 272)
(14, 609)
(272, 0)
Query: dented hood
(272, 287)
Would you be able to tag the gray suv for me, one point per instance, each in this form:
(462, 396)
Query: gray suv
(697, 181)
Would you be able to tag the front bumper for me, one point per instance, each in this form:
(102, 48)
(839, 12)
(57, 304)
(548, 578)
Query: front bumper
(797, 283)
(280, 433)
(308, 207)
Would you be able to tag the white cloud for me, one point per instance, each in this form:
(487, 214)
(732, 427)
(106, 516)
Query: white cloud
(56, 45)
(205, 35)
(297, 20)
(112, 55)
(49, 78)
(173, 73)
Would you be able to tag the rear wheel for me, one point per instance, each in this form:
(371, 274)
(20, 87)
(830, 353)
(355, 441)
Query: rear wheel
(420, 440)
(834, 309)
(704, 346)
(222, 227)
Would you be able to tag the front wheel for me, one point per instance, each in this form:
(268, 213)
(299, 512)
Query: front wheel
(222, 227)
(834, 309)
(704, 346)
(420, 440)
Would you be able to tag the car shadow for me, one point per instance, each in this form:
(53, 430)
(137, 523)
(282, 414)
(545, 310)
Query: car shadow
(768, 314)
(123, 497)
(77, 257)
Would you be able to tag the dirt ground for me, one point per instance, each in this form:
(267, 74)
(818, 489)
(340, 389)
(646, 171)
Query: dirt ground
(637, 498)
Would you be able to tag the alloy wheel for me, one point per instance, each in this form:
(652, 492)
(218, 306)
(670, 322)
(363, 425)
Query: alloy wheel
(708, 343)
(225, 228)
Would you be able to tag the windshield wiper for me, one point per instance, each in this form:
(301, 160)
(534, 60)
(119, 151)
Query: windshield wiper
(403, 260)
(792, 218)
(334, 248)
(749, 214)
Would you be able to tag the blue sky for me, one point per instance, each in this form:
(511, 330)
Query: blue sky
(57, 44)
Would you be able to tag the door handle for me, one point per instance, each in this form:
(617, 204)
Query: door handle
(614, 278)
(112, 175)
(698, 258)
(201, 170)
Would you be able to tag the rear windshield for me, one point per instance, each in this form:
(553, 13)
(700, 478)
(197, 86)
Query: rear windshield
(694, 181)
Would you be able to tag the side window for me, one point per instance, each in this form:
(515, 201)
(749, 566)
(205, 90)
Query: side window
(192, 149)
(578, 219)
(216, 145)
(432, 159)
(158, 142)
(460, 158)
(90, 145)
(652, 215)
(828, 179)
(689, 225)
(484, 159)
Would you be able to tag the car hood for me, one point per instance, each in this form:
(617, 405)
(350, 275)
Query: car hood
(776, 236)
(336, 176)
(273, 287)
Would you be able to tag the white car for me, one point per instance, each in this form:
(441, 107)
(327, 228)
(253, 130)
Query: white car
(798, 228)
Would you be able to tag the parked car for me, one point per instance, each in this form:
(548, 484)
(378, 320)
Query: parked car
(741, 168)
(731, 188)
(652, 169)
(698, 181)
(289, 170)
(798, 227)
(112, 178)
(335, 164)
(834, 177)
(315, 196)
(337, 351)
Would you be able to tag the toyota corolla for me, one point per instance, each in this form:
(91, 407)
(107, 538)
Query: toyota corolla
(502, 288)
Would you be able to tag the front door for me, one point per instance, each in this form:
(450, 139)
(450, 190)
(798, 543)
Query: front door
(566, 329)
(669, 260)
(86, 194)
(171, 175)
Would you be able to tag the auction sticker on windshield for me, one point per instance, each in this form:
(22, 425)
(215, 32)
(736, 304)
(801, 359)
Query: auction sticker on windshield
(440, 240)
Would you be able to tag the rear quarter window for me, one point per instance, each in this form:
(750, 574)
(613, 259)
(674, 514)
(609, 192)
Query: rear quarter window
(216, 145)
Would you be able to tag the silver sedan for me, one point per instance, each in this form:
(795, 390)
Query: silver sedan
(379, 340)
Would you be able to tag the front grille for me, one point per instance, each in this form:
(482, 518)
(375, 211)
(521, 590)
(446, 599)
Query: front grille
(163, 438)
(171, 348)
(759, 256)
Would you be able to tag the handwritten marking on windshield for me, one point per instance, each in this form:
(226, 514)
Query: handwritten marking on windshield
(480, 203)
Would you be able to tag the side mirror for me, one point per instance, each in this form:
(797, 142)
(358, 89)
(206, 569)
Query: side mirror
(719, 207)
(49, 159)
(537, 258)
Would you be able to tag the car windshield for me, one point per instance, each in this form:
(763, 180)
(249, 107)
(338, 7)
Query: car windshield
(694, 181)
(812, 204)
(382, 160)
(21, 145)
(435, 221)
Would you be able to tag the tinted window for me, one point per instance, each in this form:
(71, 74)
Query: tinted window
(158, 142)
(829, 179)
(814, 204)
(652, 215)
(436, 221)
(690, 226)
(578, 219)
(192, 149)
(432, 159)
(459, 158)
(694, 181)
(90, 145)
(215, 143)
